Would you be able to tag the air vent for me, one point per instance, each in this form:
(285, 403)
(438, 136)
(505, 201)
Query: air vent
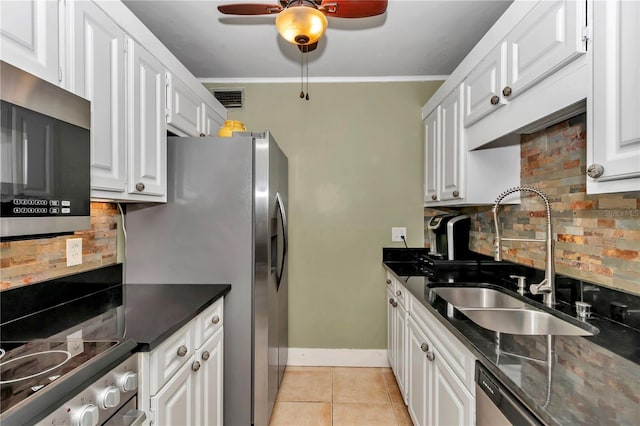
(229, 98)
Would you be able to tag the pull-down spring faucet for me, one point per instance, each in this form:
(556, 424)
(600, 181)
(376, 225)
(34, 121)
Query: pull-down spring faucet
(547, 286)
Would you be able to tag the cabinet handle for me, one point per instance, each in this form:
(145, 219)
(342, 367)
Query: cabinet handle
(388, 281)
(202, 135)
(494, 100)
(431, 356)
(195, 366)
(140, 186)
(434, 197)
(595, 170)
(506, 91)
(393, 303)
(215, 319)
(205, 355)
(182, 350)
(398, 293)
(456, 193)
(424, 347)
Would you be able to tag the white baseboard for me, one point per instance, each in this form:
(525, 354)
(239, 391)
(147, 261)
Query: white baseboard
(337, 357)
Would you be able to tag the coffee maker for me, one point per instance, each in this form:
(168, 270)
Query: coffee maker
(449, 236)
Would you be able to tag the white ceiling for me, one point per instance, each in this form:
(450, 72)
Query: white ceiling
(413, 40)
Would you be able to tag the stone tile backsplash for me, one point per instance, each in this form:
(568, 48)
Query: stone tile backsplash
(597, 236)
(33, 260)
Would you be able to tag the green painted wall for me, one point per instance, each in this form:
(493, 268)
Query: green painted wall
(355, 170)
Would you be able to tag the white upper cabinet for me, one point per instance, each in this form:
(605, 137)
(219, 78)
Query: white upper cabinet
(184, 108)
(613, 135)
(431, 161)
(484, 84)
(546, 40)
(96, 55)
(29, 37)
(147, 129)
(212, 121)
(452, 147)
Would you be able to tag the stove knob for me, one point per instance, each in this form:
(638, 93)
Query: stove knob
(87, 415)
(128, 381)
(109, 397)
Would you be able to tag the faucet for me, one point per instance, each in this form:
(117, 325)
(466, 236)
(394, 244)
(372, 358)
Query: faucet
(547, 286)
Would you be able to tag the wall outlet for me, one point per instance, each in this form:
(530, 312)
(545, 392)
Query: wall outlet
(74, 251)
(75, 344)
(398, 233)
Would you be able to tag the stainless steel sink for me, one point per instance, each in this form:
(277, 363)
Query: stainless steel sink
(498, 311)
(527, 322)
(477, 297)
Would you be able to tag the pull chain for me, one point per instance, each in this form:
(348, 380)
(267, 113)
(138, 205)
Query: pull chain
(301, 74)
(307, 96)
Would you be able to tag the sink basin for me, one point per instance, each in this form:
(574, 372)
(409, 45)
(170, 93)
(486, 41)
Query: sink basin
(497, 311)
(527, 322)
(477, 297)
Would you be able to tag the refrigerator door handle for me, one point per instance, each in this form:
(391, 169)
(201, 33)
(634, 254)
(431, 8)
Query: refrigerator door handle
(283, 217)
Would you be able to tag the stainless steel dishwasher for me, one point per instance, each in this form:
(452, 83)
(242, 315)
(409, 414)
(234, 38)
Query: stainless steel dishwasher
(496, 405)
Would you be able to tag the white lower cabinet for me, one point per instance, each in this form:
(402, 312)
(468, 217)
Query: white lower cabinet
(435, 371)
(182, 379)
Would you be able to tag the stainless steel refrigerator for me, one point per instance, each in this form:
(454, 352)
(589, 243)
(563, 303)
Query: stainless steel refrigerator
(225, 222)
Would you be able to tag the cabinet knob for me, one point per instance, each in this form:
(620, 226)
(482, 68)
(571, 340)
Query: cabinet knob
(205, 355)
(202, 135)
(182, 350)
(388, 281)
(398, 293)
(494, 100)
(431, 356)
(506, 91)
(195, 366)
(456, 193)
(215, 319)
(140, 186)
(595, 170)
(393, 303)
(434, 197)
(424, 347)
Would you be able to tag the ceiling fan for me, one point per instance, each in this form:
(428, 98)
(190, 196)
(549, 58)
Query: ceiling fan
(303, 22)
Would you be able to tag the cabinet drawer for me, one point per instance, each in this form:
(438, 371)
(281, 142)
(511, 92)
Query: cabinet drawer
(167, 359)
(209, 321)
(452, 351)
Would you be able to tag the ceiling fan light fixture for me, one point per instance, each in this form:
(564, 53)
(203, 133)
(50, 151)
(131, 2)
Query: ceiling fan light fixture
(301, 25)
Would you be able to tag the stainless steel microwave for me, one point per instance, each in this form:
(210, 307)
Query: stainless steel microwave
(44, 156)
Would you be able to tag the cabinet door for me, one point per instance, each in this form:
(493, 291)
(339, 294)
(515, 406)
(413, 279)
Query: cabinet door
(176, 402)
(419, 376)
(391, 330)
(29, 37)
(96, 72)
(212, 121)
(184, 111)
(547, 39)
(452, 403)
(400, 348)
(147, 138)
(483, 86)
(615, 143)
(431, 152)
(209, 381)
(452, 167)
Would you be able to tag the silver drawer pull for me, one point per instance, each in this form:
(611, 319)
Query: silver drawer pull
(431, 356)
(393, 303)
(398, 293)
(215, 319)
(205, 355)
(424, 347)
(195, 366)
(182, 350)
(388, 281)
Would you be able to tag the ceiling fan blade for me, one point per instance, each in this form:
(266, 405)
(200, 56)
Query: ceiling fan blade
(353, 8)
(249, 9)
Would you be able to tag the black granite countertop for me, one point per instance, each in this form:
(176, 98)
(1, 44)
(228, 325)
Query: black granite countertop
(156, 311)
(564, 380)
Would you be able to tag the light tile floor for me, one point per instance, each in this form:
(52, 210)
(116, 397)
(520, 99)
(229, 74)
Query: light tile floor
(339, 396)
